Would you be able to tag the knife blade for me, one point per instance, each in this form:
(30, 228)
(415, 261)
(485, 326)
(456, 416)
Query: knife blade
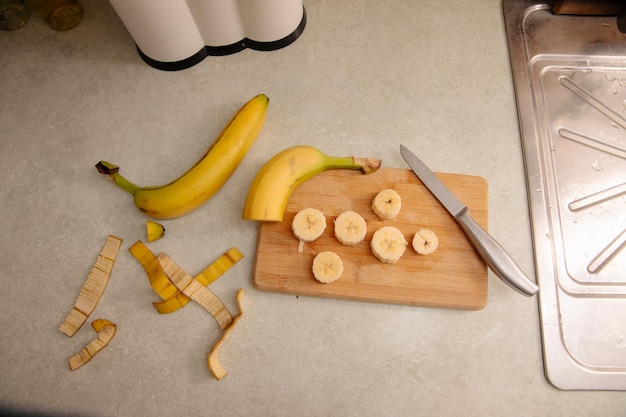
(494, 255)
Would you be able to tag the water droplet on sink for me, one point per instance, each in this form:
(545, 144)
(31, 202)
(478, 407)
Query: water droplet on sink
(596, 166)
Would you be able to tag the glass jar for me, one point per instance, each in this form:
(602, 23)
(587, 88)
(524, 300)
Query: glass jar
(13, 14)
(59, 14)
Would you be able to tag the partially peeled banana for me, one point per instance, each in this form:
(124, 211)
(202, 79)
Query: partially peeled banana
(207, 176)
(268, 195)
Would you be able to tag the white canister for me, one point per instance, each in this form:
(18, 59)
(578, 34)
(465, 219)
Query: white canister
(218, 21)
(268, 21)
(164, 30)
(177, 34)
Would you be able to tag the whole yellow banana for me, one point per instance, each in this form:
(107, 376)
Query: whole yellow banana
(274, 183)
(207, 176)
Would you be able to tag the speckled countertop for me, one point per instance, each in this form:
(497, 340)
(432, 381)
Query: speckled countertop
(364, 77)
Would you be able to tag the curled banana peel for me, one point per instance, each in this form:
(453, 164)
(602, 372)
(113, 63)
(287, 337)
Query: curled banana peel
(162, 267)
(207, 299)
(207, 176)
(215, 366)
(172, 298)
(106, 330)
(274, 183)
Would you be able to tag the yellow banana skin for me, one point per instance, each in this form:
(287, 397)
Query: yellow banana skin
(207, 176)
(274, 183)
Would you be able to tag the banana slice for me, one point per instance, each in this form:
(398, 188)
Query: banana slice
(388, 244)
(307, 225)
(350, 228)
(387, 204)
(425, 241)
(327, 267)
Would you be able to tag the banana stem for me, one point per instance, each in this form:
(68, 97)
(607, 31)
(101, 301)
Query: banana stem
(367, 165)
(112, 171)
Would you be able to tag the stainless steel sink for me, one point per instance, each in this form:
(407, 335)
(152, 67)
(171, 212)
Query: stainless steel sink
(569, 74)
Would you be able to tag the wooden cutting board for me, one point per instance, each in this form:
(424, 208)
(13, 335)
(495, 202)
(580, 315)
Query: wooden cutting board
(454, 276)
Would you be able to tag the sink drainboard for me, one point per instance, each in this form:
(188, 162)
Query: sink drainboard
(569, 74)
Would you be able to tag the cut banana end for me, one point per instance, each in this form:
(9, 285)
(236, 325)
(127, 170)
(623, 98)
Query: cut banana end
(350, 228)
(388, 244)
(154, 230)
(327, 267)
(425, 241)
(307, 225)
(387, 204)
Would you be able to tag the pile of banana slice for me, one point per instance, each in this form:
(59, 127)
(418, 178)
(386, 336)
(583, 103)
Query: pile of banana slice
(387, 245)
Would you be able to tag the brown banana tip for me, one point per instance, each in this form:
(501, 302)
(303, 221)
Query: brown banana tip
(369, 165)
(106, 168)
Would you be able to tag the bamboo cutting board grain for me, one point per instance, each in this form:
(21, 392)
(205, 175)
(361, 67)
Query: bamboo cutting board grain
(454, 276)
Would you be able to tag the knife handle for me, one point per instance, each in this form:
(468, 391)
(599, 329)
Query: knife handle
(494, 255)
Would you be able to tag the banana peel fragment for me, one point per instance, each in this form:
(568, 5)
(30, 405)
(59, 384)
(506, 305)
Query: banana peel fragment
(106, 330)
(172, 297)
(154, 230)
(93, 287)
(207, 299)
(196, 291)
(164, 274)
(159, 282)
(215, 366)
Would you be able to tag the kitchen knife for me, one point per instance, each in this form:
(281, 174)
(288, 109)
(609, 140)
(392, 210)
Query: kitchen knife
(494, 255)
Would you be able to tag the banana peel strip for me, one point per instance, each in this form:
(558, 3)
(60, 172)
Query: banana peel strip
(210, 274)
(106, 330)
(219, 266)
(173, 298)
(215, 366)
(196, 291)
(93, 287)
(159, 281)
